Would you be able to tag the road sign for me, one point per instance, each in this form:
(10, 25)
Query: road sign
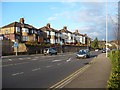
(15, 44)
(61, 43)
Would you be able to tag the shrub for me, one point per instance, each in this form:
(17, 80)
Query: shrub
(114, 80)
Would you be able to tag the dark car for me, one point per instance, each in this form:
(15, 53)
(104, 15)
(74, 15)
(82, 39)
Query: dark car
(50, 51)
(104, 51)
(83, 54)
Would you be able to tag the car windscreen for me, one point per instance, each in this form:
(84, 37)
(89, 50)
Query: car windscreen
(81, 52)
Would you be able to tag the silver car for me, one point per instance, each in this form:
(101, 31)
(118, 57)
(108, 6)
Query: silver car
(83, 54)
(50, 51)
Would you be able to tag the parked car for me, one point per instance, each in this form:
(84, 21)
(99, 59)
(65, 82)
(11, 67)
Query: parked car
(50, 51)
(96, 49)
(104, 51)
(83, 54)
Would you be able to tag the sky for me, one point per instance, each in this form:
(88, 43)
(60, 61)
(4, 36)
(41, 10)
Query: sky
(86, 17)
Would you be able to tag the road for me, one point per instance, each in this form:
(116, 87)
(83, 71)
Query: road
(38, 71)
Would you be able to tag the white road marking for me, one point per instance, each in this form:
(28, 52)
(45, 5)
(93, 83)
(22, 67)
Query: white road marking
(6, 65)
(10, 59)
(36, 69)
(17, 73)
(21, 63)
(48, 66)
(68, 60)
(59, 63)
(28, 58)
(34, 59)
(56, 60)
(20, 58)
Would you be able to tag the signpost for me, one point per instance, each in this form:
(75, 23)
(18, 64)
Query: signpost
(16, 46)
(61, 46)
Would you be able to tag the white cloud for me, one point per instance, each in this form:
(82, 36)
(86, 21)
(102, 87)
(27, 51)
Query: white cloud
(52, 18)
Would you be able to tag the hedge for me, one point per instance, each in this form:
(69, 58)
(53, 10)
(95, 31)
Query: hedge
(114, 80)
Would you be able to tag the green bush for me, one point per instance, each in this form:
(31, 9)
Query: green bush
(114, 80)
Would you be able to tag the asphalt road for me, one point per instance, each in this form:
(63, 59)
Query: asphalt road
(38, 71)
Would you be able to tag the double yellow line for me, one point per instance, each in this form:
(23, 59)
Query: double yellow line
(68, 79)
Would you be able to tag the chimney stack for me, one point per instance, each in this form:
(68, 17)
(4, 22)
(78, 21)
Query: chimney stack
(48, 25)
(76, 31)
(65, 28)
(22, 20)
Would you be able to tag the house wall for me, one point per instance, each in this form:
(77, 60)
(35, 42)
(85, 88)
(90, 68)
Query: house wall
(9, 30)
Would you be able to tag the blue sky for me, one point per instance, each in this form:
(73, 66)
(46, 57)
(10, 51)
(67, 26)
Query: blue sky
(87, 17)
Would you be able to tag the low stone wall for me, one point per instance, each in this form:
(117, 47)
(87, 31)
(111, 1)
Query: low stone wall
(7, 48)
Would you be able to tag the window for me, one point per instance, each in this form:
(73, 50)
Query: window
(6, 31)
(25, 38)
(25, 30)
(17, 30)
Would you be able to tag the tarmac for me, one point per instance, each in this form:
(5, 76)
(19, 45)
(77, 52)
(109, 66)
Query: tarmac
(96, 76)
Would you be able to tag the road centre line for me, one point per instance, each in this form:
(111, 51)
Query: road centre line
(17, 73)
(6, 65)
(49, 66)
(56, 60)
(20, 58)
(20, 63)
(36, 69)
(34, 59)
(59, 63)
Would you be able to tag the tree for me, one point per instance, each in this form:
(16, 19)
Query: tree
(94, 44)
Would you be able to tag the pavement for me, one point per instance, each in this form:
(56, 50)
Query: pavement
(96, 76)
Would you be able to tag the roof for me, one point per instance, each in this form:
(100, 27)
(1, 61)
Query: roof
(66, 31)
(18, 24)
(45, 28)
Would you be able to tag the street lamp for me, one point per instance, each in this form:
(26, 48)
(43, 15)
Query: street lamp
(106, 26)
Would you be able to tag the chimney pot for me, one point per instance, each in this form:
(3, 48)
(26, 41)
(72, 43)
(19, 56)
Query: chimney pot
(48, 25)
(22, 20)
(65, 27)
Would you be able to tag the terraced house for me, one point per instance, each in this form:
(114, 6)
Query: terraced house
(53, 35)
(80, 38)
(45, 36)
(22, 32)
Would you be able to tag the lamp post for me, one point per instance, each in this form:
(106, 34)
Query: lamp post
(106, 26)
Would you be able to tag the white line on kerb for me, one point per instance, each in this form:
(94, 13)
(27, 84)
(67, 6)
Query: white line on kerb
(36, 69)
(17, 73)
